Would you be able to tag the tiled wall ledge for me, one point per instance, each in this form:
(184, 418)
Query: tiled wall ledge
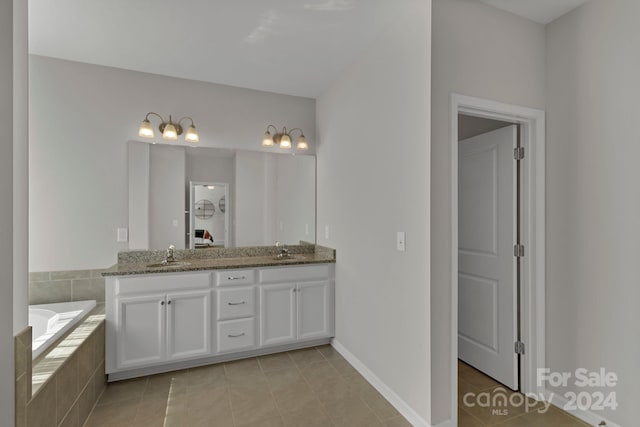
(22, 354)
(64, 286)
(68, 379)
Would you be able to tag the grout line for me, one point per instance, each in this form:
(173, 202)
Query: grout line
(472, 416)
(273, 397)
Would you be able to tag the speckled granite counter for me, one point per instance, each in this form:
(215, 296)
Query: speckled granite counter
(137, 262)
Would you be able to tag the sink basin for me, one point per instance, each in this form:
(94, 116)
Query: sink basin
(289, 257)
(175, 264)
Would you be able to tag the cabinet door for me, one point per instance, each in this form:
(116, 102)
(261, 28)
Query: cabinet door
(314, 310)
(188, 324)
(141, 330)
(277, 314)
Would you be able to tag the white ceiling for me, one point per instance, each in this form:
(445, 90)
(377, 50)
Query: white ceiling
(541, 11)
(296, 47)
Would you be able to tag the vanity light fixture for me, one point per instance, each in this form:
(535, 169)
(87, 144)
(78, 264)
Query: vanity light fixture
(283, 138)
(169, 129)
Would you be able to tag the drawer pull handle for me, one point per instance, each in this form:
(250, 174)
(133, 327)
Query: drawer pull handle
(237, 303)
(236, 278)
(236, 336)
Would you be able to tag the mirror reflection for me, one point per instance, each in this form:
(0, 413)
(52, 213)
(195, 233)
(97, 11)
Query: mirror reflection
(213, 197)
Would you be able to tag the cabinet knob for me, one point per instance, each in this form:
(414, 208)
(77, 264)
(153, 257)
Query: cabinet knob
(161, 302)
(169, 302)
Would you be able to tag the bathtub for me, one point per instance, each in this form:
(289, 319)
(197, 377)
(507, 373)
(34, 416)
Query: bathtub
(50, 321)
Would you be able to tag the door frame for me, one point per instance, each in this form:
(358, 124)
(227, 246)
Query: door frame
(532, 232)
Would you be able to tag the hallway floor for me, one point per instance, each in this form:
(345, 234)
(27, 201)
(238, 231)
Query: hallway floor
(310, 387)
(530, 414)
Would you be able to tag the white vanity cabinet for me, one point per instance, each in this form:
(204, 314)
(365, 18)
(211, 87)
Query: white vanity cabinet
(158, 319)
(296, 304)
(236, 310)
(166, 321)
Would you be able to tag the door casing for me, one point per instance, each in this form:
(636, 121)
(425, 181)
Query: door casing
(532, 234)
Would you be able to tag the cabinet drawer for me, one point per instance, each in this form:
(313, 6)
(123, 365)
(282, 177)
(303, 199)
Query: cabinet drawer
(234, 277)
(162, 283)
(236, 335)
(234, 303)
(294, 274)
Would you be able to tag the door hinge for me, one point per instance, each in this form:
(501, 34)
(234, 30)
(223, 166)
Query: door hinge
(519, 347)
(518, 153)
(518, 251)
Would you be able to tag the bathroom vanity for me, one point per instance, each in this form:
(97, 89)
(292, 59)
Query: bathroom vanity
(208, 310)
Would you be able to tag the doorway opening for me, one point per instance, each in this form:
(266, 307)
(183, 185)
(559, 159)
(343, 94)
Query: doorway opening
(497, 241)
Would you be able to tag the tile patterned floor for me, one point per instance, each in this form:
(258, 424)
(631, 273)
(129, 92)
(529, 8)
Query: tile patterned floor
(531, 415)
(310, 387)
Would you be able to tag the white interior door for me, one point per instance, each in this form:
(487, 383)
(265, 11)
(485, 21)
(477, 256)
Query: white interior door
(487, 279)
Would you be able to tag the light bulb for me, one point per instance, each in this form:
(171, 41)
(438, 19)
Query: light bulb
(192, 134)
(285, 142)
(302, 143)
(146, 130)
(170, 132)
(267, 140)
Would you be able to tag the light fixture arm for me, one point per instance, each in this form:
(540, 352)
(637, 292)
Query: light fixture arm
(155, 114)
(185, 118)
(294, 129)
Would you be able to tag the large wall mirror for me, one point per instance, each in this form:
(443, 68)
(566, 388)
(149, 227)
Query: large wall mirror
(212, 197)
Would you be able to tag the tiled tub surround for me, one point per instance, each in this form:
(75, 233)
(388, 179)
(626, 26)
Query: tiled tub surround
(22, 354)
(67, 380)
(64, 286)
(137, 262)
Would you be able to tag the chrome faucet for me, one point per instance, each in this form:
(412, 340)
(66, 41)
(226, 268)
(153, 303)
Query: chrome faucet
(284, 252)
(170, 254)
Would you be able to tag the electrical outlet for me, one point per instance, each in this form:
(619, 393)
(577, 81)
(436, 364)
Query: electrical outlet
(306, 229)
(175, 223)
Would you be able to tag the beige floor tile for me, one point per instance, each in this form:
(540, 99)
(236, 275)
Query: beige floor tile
(242, 368)
(475, 377)
(283, 378)
(397, 422)
(274, 362)
(296, 397)
(465, 419)
(329, 353)
(306, 356)
(251, 405)
(319, 372)
(333, 390)
(119, 391)
(359, 384)
(500, 405)
(307, 418)
(212, 374)
(271, 422)
(553, 417)
(379, 405)
(113, 415)
(351, 408)
(343, 367)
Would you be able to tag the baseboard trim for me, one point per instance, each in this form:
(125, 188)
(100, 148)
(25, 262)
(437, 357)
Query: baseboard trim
(589, 417)
(395, 400)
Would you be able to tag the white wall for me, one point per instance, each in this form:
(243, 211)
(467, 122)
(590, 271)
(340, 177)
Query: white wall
(138, 161)
(20, 164)
(167, 197)
(7, 380)
(296, 199)
(81, 119)
(373, 162)
(593, 203)
(488, 53)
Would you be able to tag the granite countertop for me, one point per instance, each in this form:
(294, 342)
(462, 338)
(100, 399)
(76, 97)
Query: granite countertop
(140, 262)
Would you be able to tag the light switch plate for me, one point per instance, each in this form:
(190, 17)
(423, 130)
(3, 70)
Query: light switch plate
(123, 235)
(175, 223)
(326, 231)
(400, 241)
